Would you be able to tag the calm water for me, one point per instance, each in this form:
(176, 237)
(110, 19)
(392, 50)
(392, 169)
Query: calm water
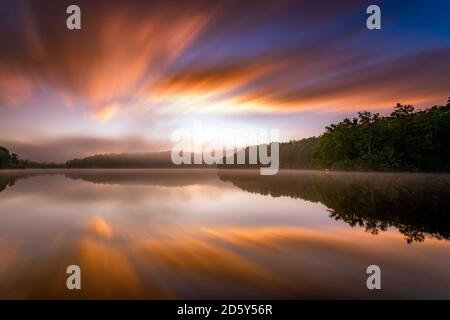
(223, 234)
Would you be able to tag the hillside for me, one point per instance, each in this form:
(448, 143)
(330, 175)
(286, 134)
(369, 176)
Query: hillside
(406, 140)
(126, 160)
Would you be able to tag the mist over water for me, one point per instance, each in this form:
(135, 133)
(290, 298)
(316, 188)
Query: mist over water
(199, 233)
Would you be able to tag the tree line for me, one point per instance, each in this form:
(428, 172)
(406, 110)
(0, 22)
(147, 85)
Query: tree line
(405, 140)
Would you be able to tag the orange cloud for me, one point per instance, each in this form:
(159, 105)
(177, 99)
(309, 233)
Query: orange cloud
(105, 113)
(99, 227)
(147, 54)
(212, 81)
(15, 89)
(120, 46)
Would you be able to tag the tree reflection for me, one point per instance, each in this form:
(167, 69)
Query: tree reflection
(6, 180)
(418, 205)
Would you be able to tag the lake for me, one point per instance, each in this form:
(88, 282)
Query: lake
(207, 234)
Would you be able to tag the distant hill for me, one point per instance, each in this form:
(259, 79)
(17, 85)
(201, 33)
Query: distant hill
(128, 160)
(115, 160)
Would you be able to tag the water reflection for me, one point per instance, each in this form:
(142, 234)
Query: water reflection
(190, 234)
(416, 204)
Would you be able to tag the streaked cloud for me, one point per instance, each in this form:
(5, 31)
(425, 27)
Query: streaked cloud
(121, 44)
(105, 113)
(156, 62)
(99, 227)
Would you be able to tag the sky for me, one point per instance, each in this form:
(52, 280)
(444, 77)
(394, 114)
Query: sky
(138, 70)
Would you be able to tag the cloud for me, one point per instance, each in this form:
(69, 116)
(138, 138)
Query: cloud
(120, 45)
(99, 227)
(105, 113)
(127, 47)
(305, 78)
(418, 78)
(14, 88)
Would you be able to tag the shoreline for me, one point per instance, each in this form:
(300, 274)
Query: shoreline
(215, 169)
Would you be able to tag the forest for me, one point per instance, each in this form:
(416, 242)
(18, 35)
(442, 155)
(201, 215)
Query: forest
(405, 140)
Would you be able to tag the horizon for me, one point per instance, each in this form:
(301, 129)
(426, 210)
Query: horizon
(136, 72)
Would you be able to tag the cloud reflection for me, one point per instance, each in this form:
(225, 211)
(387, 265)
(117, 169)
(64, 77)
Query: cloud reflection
(142, 238)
